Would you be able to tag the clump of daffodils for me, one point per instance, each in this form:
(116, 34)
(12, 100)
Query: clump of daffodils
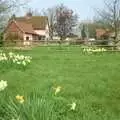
(20, 59)
(94, 50)
(3, 57)
(20, 99)
(15, 58)
(3, 85)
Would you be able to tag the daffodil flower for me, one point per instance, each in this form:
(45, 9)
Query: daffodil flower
(57, 90)
(73, 106)
(20, 99)
(3, 85)
(94, 50)
(14, 58)
(24, 63)
(18, 63)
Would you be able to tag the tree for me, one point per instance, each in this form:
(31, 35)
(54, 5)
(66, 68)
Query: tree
(83, 32)
(90, 28)
(61, 20)
(51, 14)
(110, 16)
(7, 8)
(34, 12)
(65, 22)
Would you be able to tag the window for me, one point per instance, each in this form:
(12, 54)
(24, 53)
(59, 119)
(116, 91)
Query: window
(39, 38)
(27, 38)
(43, 37)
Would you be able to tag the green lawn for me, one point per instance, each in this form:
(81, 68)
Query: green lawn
(91, 80)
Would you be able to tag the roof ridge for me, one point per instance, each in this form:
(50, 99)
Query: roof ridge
(25, 27)
(18, 25)
(37, 22)
(31, 16)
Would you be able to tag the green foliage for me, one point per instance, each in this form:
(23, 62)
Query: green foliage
(83, 32)
(36, 107)
(92, 30)
(1, 39)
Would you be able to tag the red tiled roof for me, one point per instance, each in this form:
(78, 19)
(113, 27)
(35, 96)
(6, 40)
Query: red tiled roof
(103, 32)
(100, 32)
(28, 24)
(38, 22)
(27, 28)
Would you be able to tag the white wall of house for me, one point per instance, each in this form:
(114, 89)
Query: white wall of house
(26, 40)
(40, 32)
(25, 36)
(43, 32)
(47, 32)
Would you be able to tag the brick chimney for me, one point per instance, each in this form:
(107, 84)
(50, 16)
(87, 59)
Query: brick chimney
(28, 15)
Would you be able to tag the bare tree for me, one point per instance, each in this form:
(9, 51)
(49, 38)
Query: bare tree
(7, 8)
(61, 20)
(51, 14)
(34, 12)
(110, 15)
(66, 20)
(83, 32)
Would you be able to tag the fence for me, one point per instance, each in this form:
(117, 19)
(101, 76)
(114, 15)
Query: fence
(109, 44)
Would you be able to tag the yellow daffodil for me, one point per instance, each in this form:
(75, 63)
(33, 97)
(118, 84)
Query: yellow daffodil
(20, 98)
(57, 90)
(73, 106)
(24, 63)
(94, 50)
(17, 97)
(3, 85)
(22, 101)
(14, 58)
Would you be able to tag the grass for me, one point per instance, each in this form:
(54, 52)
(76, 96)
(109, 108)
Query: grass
(91, 80)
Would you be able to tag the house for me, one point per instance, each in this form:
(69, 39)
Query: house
(27, 28)
(102, 33)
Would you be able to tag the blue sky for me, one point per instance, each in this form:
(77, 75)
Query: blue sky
(85, 8)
